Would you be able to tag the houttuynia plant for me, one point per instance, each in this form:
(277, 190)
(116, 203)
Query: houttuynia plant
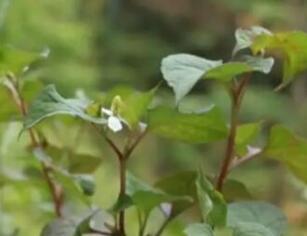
(123, 117)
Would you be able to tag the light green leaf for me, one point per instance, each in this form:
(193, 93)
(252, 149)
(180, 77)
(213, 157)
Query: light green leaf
(230, 70)
(134, 106)
(13, 60)
(72, 161)
(245, 37)
(252, 229)
(182, 71)
(78, 186)
(261, 213)
(198, 229)
(212, 204)
(50, 103)
(293, 48)
(9, 110)
(180, 184)
(74, 226)
(246, 133)
(288, 148)
(189, 127)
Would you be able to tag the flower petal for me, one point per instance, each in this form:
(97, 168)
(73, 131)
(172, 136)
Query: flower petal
(106, 111)
(114, 124)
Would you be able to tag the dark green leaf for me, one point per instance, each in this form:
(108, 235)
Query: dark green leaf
(180, 184)
(50, 103)
(261, 213)
(291, 150)
(252, 229)
(182, 71)
(212, 204)
(146, 197)
(190, 127)
(198, 230)
(235, 190)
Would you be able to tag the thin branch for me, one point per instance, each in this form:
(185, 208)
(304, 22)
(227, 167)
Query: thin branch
(143, 224)
(248, 157)
(135, 144)
(114, 147)
(237, 93)
(95, 231)
(163, 226)
(122, 193)
(56, 191)
(109, 141)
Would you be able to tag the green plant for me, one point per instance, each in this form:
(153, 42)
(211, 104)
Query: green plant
(123, 117)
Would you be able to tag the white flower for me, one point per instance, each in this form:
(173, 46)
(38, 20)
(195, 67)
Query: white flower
(114, 122)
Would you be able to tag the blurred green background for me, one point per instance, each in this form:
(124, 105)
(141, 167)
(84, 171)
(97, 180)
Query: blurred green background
(96, 45)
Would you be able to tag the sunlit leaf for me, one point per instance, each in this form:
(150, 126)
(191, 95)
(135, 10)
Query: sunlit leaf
(245, 37)
(293, 48)
(129, 104)
(190, 127)
(8, 110)
(182, 71)
(261, 213)
(246, 133)
(50, 103)
(198, 229)
(134, 106)
(288, 148)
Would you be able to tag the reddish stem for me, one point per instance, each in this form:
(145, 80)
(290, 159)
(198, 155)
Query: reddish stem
(56, 191)
(237, 93)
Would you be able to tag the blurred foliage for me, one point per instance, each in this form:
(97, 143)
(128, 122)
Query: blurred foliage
(96, 44)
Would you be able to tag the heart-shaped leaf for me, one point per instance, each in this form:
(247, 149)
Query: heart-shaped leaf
(182, 71)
